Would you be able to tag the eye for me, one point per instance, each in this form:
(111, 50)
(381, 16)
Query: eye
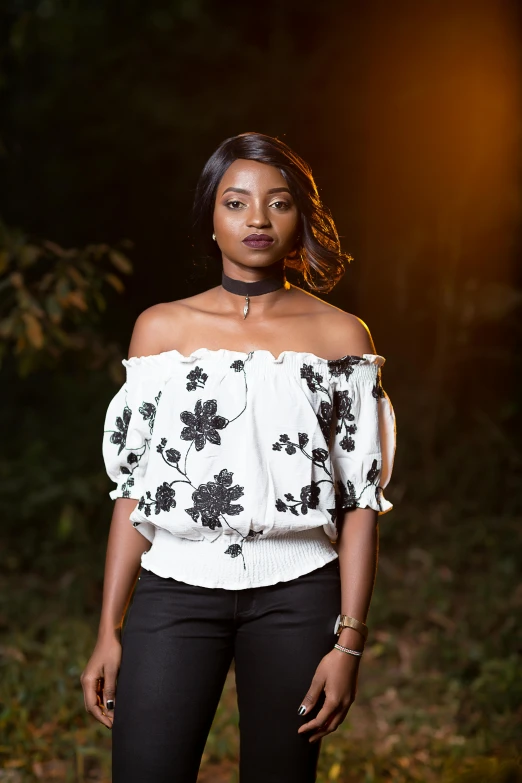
(234, 202)
(283, 205)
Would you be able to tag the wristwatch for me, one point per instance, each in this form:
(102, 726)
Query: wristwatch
(343, 621)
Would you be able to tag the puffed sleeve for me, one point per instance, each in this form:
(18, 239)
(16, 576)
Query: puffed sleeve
(363, 435)
(129, 423)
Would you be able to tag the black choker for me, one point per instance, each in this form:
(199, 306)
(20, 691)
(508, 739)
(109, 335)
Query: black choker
(254, 288)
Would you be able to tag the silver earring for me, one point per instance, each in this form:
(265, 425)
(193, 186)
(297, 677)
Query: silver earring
(214, 237)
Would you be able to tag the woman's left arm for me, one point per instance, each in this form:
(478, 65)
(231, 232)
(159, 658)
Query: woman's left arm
(358, 545)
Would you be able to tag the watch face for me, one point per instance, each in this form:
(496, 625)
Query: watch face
(337, 624)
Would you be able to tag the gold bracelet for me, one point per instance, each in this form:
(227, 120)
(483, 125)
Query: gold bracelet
(343, 621)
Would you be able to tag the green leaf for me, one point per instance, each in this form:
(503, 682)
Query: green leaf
(54, 311)
(115, 282)
(29, 254)
(121, 262)
(33, 330)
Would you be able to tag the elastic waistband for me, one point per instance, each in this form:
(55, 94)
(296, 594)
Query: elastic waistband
(253, 563)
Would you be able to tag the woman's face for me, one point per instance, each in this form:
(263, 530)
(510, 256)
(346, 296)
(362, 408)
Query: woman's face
(255, 216)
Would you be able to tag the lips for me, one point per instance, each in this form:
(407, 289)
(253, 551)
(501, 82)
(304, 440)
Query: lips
(258, 241)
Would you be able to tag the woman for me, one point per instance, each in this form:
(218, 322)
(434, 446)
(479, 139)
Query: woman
(250, 446)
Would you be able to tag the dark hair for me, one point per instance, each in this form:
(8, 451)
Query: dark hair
(318, 254)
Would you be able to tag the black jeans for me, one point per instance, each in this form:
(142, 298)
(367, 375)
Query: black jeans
(177, 646)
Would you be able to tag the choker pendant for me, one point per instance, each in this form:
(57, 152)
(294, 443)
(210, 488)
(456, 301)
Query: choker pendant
(255, 288)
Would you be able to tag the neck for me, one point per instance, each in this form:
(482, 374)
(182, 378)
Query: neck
(275, 279)
(254, 288)
(245, 274)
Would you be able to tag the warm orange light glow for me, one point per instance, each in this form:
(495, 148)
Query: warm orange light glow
(438, 120)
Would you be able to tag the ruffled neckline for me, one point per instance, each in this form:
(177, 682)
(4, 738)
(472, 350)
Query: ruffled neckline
(226, 353)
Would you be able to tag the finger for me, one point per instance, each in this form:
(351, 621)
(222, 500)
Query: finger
(86, 685)
(91, 698)
(97, 710)
(102, 701)
(109, 691)
(99, 714)
(311, 697)
(325, 714)
(330, 726)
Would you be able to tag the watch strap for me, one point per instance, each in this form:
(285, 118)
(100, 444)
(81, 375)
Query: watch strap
(350, 622)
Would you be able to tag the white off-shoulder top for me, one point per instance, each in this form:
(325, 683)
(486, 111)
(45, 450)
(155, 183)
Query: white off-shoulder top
(243, 464)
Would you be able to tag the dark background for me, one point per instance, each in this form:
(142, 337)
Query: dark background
(409, 114)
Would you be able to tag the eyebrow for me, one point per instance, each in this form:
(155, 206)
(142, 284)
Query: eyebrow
(248, 193)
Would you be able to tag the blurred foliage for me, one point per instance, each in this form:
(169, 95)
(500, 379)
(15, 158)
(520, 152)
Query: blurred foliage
(51, 299)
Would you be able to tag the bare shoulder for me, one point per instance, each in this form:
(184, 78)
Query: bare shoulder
(352, 335)
(153, 327)
(345, 333)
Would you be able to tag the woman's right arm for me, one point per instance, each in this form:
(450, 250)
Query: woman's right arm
(122, 565)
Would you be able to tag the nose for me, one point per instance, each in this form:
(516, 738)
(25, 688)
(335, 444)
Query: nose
(258, 216)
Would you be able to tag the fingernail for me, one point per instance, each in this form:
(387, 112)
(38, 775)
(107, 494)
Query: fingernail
(301, 710)
(110, 704)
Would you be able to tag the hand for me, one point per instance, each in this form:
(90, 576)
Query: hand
(337, 676)
(99, 679)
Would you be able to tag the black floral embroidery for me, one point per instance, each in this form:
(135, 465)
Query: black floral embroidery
(324, 417)
(148, 411)
(373, 472)
(378, 496)
(343, 411)
(171, 456)
(343, 366)
(318, 455)
(346, 497)
(377, 390)
(309, 498)
(309, 494)
(126, 487)
(165, 494)
(197, 379)
(345, 494)
(313, 379)
(132, 459)
(119, 437)
(213, 501)
(164, 500)
(203, 424)
(214, 498)
(234, 550)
